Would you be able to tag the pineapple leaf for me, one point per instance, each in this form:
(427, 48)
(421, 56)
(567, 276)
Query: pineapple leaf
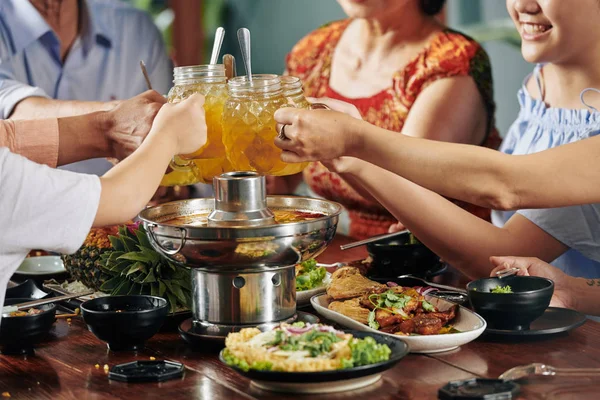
(135, 268)
(150, 278)
(123, 288)
(112, 257)
(151, 255)
(116, 243)
(162, 288)
(130, 244)
(175, 290)
(119, 267)
(154, 290)
(137, 256)
(135, 289)
(142, 237)
(111, 284)
(172, 302)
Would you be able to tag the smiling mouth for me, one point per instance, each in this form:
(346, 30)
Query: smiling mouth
(530, 29)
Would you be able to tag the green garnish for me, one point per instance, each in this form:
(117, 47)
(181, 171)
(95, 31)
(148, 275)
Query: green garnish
(427, 306)
(366, 351)
(310, 276)
(502, 289)
(389, 301)
(232, 360)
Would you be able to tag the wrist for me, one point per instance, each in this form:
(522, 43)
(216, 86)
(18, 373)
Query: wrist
(102, 124)
(578, 292)
(353, 129)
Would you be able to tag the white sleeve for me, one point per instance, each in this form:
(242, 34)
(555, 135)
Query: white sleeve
(44, 208)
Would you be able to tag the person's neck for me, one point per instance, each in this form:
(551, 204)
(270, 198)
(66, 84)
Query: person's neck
(63, 17)
(564, 82)
(385, 33)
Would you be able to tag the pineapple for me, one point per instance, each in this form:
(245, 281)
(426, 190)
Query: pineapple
(129, 265)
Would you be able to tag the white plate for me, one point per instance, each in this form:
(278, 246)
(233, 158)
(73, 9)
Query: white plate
(303, 297)
(470, 325)
(43, 265)
(321, 387)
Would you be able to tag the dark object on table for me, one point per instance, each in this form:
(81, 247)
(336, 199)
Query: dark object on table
(18, 335)
(485, 389)
(554, 320)
(27, 289)
(398, 256)
(146, 371)
(529, 299)
(124, 322)
(264, 379)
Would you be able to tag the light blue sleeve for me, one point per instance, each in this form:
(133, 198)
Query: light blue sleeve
(577, 227)
(13, 91)
(159, 65)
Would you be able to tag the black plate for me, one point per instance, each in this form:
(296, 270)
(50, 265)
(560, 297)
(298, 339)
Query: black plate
(187, 333)
(26, 289)
(555, 320)
(398, 347)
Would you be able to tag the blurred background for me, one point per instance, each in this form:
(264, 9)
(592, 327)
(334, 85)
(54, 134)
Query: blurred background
(188, 28)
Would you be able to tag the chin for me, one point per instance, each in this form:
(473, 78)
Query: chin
(358, 8)
(533, 54)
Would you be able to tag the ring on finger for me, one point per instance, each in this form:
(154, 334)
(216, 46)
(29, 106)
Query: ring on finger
(282, 133)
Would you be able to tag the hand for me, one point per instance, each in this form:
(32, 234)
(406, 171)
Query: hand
(130, 121)
(531, 266)
(314, 135)
(183, 123)
(337, 105)
(397, 227)
(342, 165)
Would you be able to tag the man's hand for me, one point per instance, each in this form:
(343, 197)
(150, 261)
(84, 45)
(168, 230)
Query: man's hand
(531, 266)
(130, 121)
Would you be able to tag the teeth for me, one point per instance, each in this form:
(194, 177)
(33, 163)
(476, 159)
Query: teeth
(532, 29)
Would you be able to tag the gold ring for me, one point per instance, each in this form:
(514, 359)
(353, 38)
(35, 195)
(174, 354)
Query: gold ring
(282, 133)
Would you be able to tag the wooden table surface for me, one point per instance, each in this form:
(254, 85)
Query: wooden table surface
(64, 366)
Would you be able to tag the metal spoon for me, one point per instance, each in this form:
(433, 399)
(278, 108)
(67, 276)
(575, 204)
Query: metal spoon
(523, 371)
(41, 302)
(243, 35)
(145, 72)
(435, 285)
(372, 239)
(219, 36)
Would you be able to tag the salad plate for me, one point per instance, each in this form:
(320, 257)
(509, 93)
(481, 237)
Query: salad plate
(303, 296)
(43, 265)
(468, 324)
(327, 381)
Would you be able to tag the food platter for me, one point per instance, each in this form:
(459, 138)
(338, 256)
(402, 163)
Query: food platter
(328, 381)
(470, 325)
(303, 297)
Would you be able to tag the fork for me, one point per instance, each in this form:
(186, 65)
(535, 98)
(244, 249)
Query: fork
(334, 265)
(523, 371)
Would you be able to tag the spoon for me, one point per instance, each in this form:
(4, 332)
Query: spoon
(41, 302)
(523, 371)
(243, 35)
(435, 285)
(145, 72)
(372, 239)
(219, 36)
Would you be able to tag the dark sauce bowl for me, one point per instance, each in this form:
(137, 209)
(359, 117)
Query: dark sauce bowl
(18, 335)
(511, 311)
(396, 257)
(26, 289)
(124, 322)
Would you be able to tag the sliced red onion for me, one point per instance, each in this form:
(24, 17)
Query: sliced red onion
(331, 329)
(426, 290)
(392, 284)
(296, 330)
(272, 349)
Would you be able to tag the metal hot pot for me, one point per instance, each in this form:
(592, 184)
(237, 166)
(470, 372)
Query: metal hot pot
(242, 261)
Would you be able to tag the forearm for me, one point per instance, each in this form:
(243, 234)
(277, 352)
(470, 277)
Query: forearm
(41, 107)
(129, 186)
(83, 137)
(460, 238)
(585, 294)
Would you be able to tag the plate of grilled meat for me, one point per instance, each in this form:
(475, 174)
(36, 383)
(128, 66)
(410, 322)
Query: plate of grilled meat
(428, 324)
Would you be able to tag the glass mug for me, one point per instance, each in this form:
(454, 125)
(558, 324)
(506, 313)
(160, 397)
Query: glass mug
(210, 160)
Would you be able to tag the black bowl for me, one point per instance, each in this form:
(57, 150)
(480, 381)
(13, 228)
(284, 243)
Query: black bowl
(18, 335)
(27, 289)
(396, 257)
(511, 311)
(124, 322)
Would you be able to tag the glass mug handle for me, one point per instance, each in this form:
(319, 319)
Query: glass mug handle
(319, 106)
(180, 164)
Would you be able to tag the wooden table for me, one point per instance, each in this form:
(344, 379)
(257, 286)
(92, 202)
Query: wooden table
(64, 367)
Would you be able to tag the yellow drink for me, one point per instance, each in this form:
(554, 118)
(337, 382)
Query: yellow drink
(209, 160)
(249, 128)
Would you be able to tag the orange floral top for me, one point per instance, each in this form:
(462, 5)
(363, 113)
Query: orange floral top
(448, 54)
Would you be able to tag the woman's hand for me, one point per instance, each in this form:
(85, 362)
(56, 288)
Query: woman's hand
(531, 266)
(315, 135)
(337, 105)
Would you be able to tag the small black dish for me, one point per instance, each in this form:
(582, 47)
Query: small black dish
(483, 389)
(146, 371)
(26, 289)
(396, 257)
(398, 347)
(554, 320)
(18, 335)
(124, 322)
(511, 311)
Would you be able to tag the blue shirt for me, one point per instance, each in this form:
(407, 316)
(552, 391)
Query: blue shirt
(538, 128)
(103, 63)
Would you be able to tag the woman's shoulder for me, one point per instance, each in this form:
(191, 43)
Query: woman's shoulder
(457, 52)
(310, 48)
